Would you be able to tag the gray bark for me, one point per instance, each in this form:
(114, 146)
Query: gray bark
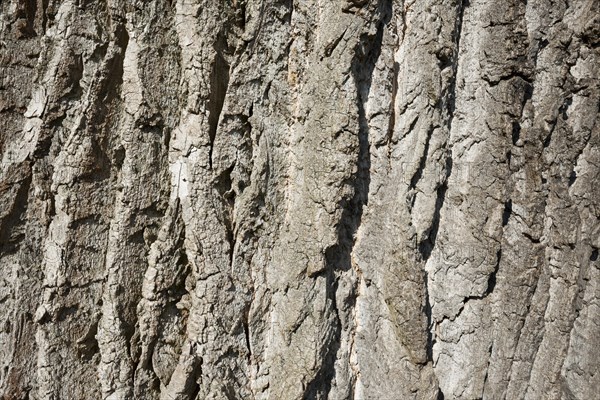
(316, 199)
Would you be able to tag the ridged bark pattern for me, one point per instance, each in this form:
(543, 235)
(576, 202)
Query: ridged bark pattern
(309, 199)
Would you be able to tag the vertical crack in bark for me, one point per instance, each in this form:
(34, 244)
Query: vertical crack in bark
(246, 327)
(224, 186)
(507, 212)
(487, 370)
(338, 257)
(426, 247)
(422, 163)
(491, 284)
(219, 81)
(440, 395)
(392, 120)
(12, 221)
(320, 385)
(457, 34)
(367, 53)
(170, 260)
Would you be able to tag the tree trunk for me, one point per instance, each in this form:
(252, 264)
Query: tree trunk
(316, 199)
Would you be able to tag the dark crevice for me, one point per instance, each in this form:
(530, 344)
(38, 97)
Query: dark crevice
(572, 178)
(594, 255)
(239, 16)
(247, 337)
(118, 157)
(507, 212)
(87, 346)
(514, 74)
(12, 224)
(457, 34)
(564, 108)
(44, 15)
(110, 82)
(246, 327)
(231, 240)
(333, 45)
(527, 95)
(195, 390)
(392, 121)
(219, 81)
(338, 257)
(485, 378)
(26, 13)
(440, 395)
(426, 248)
(491, 285)
(516, 132)
(66, 312)
(428, 314)
(531, 238)
(320, 386)
(224, 186)
(427, 245)
(422, 161)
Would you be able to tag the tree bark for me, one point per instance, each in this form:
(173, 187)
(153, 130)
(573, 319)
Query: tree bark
(317, 199)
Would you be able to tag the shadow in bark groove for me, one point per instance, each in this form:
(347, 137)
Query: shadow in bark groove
(12, 226)
(338, 257)
(426, 247)
(219, 82)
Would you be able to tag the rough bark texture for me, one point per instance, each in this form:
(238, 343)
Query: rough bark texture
(316, 199)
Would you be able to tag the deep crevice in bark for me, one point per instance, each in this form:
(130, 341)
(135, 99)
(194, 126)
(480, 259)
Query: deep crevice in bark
(11, 224)
(219, 81)
(507, 212)
(427, 245)
(422, 163)
(440, 395)
(491, 284)
(338, 257)
(594, 255)
(392, 120)
(428, 314)
(320, 386)
(457, 34)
